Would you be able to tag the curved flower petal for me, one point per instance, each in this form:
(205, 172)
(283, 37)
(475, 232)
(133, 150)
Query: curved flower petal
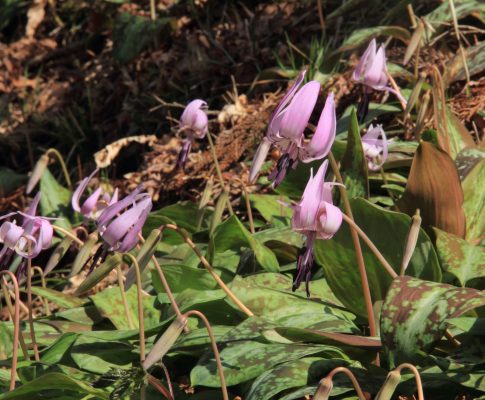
(330, 220)
(76, 197)
(10, 233)
(28, 247)
(89, 204)
(299, 111)
(111, 211)
(375, 74)
(45, 234)
(375, 147)
(194, 118)
(366, 59)
(259, 158)
(33, 206)
(324, 135)
(131, 238)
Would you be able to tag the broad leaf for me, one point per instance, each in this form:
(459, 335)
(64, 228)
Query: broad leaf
(414, 313)
(55, 200)
(388, 230)
(474, 204)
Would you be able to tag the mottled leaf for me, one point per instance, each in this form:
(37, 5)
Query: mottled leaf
(271, 208)
(414, 313)
(365, 35)
(58, 298)
(474, 204)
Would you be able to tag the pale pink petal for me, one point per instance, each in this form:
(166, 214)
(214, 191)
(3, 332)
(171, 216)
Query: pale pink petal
(10, 233)
(76, 197)
(90, 204)
(366, 59)
(111, 211)
(259, 158)
(33, 206)
(330, 221)
(375, 74)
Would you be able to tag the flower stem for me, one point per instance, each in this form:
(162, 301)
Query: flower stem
(248, 207)
(217, 356)
(29, 306)
(59, 157)
(141, 320)
(218, 170)
(11, 311)
(358, 249)
(209, 268)
(124, 300)
(413, 369)
(16, 329)
(69, 234)
(371, 246)
(158, 385)
(44, 285)
(352, 378)
(165, 284)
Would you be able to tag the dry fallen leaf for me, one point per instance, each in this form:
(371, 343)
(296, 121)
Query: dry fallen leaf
(104, 157)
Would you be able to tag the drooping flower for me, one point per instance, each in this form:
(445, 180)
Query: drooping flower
(316, 217)
(194, 123)
(120, 223)
(375, 146)
(94, 204)
(286, 130)
(27, 240)
(371, 71)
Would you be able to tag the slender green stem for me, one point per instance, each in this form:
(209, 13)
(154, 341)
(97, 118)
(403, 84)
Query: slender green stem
(141, 319)
(217, 356)
(248, 207)
(47, 311)
(121, 284)
(16, 329)
(59, 157)
(218, 170)
(358, 249)
(209, 268)
(69, 234)
(29, 306)
(11, 311)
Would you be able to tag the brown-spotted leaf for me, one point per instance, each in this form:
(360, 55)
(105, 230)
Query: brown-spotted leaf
(434, 187)
(414, 313)
(474, 203)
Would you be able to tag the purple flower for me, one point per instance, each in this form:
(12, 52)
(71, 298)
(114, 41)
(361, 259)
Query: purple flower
(375, 144)
(316, 217)
(27, 240)
(94, 204)
(193, 123)
(287, 126)
(120, 223)
(371, 70)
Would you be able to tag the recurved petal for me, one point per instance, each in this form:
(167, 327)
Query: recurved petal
(259, 158)
(33, 206)
(299, 111)
(330, 220)
(131, 238)
(324, 135)
(189, 116)
(366, 59)
(10, 233)
(45, 234)
(90, 204)
(76, 197)
(115, 208)
(375, 74)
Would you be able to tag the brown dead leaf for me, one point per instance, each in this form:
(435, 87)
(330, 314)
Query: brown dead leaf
(104, 157)
(35, 16)
(434, 187)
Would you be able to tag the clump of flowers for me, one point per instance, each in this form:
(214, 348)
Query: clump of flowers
(316, 217)
(286, 130)
(194, 124)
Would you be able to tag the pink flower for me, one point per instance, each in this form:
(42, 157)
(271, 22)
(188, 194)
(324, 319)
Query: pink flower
(286, 130)
(28, 240)
(372, 70)
(375, 144)
(120, 223)
(94, 204)
(194, 123)
(316, 217)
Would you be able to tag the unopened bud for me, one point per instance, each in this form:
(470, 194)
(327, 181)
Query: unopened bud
(389, 386)
(411, 241)
(37, 172)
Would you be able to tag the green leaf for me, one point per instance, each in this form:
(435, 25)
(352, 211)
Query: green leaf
(414, 313)
(291, 375)
(474, 203)
(58, 349)
(232, 235)
(271, 209)
(57, 254)
(53, 381)
(133, 33)
(442, 15)
(55, 200)
(245, 360)
(459, 257)
(99, 273)
(110, 305)
(9, 179)
(58, 298)
(362, 36)
(388, 230)
(354, 163)
(99, 356)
